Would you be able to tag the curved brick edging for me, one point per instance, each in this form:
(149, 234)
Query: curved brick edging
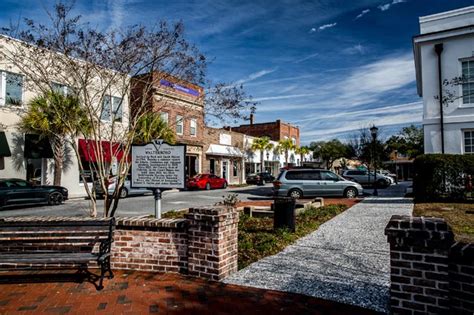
(429, 271)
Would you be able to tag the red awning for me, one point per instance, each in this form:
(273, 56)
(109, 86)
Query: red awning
(89, 150)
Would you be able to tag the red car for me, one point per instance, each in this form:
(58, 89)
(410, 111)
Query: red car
(206, 181)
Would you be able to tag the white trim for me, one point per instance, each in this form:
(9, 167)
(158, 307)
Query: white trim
(446, 14)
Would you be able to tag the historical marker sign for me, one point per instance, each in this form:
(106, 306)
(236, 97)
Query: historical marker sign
(158, 165)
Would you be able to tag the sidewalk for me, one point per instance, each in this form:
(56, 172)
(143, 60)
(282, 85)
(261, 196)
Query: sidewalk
(345, 260)
(152, 293)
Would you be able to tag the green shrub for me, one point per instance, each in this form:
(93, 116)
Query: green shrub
(441, 176)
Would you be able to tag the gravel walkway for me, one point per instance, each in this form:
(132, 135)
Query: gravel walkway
(345, 260)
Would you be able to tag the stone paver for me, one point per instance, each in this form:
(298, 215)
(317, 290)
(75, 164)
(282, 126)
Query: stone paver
(152, 293)
(346, 259)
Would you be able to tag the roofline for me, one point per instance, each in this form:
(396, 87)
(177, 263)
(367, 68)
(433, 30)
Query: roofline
(443, 31)
(446, 14)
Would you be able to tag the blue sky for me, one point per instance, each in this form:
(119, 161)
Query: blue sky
(328, 66)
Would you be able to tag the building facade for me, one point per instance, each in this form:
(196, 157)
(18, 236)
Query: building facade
(28, 157)
(276, 130)
(224, 155)
(444, 52)
(181, 106)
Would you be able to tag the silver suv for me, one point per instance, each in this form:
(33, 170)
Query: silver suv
(363, 177)
(299, 183)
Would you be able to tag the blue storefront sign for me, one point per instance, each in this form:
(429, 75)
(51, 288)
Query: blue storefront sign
(179, 87)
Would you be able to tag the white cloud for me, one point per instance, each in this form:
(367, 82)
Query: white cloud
(255, 75)
(325, 26)
(356, 49)
(364, 12)
(312, 30)
(306, 58)
(410, 113)
(280, 97)
(385, 7)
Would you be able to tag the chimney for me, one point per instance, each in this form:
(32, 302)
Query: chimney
(251, 119)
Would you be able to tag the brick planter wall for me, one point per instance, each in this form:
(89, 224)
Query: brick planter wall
(461, 276)
(212, 248)
(204, 244)
(428, 273)
(150, 245)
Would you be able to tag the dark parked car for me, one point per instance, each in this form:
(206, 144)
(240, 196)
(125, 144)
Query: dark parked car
(16, 192)
(259, 178)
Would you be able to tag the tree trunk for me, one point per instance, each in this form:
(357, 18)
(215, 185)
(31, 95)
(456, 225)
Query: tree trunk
(261, 162)
(58, 153)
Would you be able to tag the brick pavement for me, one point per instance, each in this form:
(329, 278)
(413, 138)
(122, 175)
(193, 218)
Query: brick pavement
(151, 293)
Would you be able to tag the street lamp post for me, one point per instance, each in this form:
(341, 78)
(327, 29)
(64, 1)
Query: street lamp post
(268, 157)
(373, 132)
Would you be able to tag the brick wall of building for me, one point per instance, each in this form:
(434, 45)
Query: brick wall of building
(276, 130)
(428, 273)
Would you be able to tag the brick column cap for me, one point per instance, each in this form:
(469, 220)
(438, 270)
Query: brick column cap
(417, 231)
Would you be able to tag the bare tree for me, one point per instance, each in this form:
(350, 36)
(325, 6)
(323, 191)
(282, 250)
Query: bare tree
(100, 68)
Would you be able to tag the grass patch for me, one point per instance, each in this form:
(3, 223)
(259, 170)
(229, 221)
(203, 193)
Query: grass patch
(257, 239)
(174, 214)
(460, 216)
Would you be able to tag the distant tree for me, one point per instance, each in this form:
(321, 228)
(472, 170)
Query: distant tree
(285, 146)
(59, 118)
(261, 144)
(329, 151)
(408, 141)
(302, 151)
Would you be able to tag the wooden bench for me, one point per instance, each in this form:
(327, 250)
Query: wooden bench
(59, 243)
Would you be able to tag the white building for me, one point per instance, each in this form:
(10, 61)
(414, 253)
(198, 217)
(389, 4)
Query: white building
(23, 155)
(273, 160)
(446, 46)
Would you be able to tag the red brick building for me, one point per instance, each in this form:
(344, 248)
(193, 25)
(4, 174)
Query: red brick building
(181, 105)
(276, 130)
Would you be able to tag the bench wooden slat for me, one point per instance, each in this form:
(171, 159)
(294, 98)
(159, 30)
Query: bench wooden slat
(6, 223)
(48, 258)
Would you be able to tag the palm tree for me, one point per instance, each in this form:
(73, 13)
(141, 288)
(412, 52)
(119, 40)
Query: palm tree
(150, 127)
(55, 116)
(302, 151)
(261, 144)
(286, 145)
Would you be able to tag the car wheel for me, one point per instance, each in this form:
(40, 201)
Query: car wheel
(224, 186)
(382, 183)
(55, 198)
(123, 193)
(208, 186)
(350, 193)
(295, 193)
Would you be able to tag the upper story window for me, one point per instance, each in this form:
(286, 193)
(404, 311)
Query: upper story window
(111, 108)
(469, 142)
(164, 117)
(193, 127)
(293, 140)
(179, 125)
(11, 89)
(468, 82)
(61, 88)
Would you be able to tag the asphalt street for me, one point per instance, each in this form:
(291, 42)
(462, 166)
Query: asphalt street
(143, 205)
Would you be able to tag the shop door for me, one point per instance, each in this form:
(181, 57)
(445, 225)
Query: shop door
(225, 170)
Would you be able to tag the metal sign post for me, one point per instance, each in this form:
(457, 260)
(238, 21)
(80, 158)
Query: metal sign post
(156, 166)
(157, 194)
